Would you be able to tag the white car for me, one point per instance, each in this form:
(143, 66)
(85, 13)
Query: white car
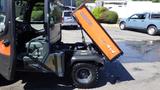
(68, 20)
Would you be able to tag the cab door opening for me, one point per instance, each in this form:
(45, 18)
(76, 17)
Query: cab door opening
(36, 33)
(31, 34)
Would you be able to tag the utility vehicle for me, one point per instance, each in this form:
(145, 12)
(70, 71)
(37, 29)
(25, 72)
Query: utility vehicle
(30, 41)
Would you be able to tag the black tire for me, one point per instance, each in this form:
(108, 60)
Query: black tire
(122, 25)
(152, 30)
(84, 75)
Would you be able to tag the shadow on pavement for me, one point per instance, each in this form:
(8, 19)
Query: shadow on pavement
(37, 81)
(42, 81)
(70, 28)
(112, 72)
(4, 82)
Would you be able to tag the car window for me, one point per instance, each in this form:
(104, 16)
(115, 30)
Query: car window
(55, 13)
(138, 16)
(142, 16)
(20, 10)
(55, 21)
(134, 16)
(37, 16)
(155, 16)
(38, 12)
(67, 14)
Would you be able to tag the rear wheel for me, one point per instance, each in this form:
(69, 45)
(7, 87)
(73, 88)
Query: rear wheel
(122, 25)
(84, 75)
(152, 30)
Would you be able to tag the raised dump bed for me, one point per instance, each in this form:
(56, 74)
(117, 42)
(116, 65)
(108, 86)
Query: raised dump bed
(97, 33)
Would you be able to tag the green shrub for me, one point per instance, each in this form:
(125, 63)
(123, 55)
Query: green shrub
(103, 15)
(109, 17)
(97, 12)
(79, 2)
(37, 16)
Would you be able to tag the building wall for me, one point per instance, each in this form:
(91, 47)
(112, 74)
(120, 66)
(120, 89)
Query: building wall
(133, 7)
(130, 8)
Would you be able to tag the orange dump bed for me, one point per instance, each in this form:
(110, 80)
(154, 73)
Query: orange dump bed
(97, 33)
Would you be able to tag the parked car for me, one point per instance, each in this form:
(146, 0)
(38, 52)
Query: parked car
(68, 20)
(148, 22)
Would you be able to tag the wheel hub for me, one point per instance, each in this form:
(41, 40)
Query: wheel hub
(151, 31)
(122, 26)
(84, 75)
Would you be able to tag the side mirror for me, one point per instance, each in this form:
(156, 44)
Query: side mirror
(128, 19)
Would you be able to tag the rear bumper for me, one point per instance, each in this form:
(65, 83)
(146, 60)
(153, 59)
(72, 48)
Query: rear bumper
(69, 24)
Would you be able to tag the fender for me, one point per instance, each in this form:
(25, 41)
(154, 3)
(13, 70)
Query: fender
(87, 56)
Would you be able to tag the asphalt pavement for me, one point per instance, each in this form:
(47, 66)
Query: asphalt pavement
(137, 47)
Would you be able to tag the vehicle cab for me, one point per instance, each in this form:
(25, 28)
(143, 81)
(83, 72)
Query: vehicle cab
(30, 40)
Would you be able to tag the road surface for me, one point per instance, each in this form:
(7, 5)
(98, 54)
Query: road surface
(140, 60)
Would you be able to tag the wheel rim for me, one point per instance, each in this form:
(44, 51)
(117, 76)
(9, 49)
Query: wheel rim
(151, 31)
(84, 75)
(122, 25)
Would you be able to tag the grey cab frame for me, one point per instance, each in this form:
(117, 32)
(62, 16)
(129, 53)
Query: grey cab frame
(7, 40)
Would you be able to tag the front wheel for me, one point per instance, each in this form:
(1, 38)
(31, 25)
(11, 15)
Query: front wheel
(84, 75)
(122, 25)
(152, 30)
